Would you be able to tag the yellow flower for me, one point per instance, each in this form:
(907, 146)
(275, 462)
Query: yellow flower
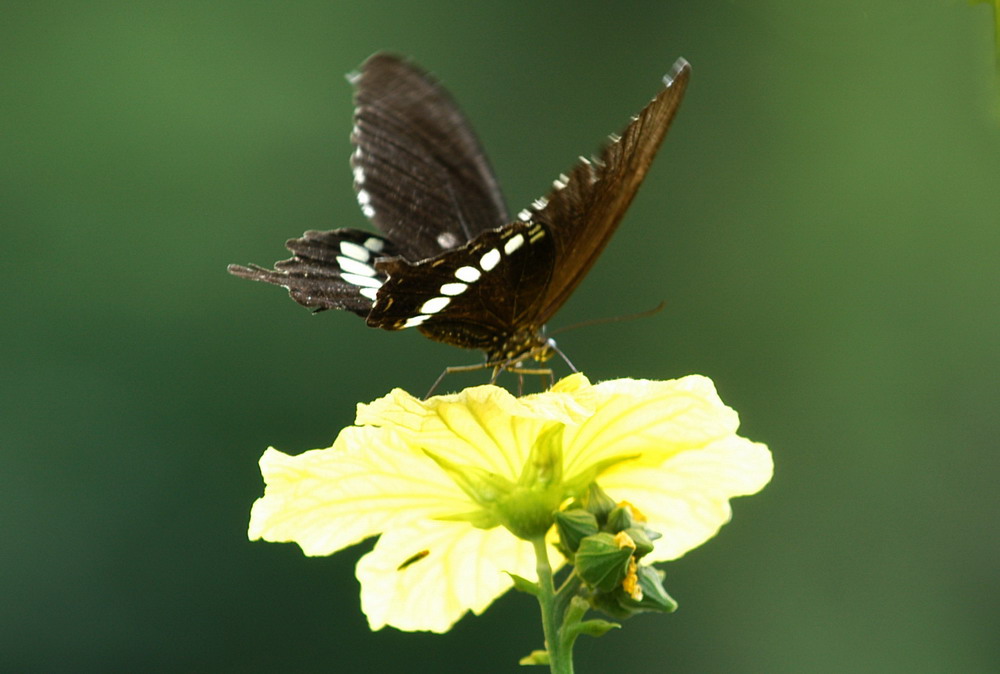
(444, 482)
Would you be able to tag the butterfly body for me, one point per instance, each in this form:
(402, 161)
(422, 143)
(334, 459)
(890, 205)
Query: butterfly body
(448, 259)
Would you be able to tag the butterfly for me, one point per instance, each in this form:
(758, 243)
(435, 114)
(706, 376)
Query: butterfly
(448, 259)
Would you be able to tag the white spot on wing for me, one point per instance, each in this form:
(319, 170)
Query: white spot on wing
(434, 305)
(353, 250)
(363, 281)
(524, 216)
(453, 289)
(364, 198)
(352, 266)
(540, 203)
(374, 244)
(513, 243)
(489, 259)
(368, 211)
(370, 293)
(467, 274)
(447, 240)
(415, 321)
(359, 175)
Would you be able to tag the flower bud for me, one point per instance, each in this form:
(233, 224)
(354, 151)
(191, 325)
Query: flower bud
(573, 526)
(654, 596)
(602, 561)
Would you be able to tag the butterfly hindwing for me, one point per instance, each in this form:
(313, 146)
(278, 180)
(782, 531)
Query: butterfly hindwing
(330, 270)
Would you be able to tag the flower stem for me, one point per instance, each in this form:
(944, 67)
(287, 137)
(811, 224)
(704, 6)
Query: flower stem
(560, 656)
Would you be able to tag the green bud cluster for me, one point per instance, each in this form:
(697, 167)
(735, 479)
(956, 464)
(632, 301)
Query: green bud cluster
(605, 542)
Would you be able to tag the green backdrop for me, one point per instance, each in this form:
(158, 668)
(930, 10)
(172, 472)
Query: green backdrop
(823, 223)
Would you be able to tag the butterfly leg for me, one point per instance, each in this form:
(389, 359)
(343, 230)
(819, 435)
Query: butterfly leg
(461, 368)
(498, 367)
(521, 371)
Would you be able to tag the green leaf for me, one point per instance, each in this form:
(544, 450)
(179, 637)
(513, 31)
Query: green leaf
(535, 658)
(593, 628)
(522, 584)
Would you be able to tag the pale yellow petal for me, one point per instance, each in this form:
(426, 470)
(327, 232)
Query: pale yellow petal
(483, 426)
(570, 400)
(463, 570)
(686, 497)
(649, 419)
(398, 409)
(327, 499)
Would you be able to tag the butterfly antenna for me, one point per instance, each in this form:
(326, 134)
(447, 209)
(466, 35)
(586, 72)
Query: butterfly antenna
(611, 319)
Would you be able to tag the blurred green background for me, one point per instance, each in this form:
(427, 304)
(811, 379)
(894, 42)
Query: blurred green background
(822, 222)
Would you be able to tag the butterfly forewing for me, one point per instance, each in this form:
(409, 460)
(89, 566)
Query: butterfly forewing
(584, 208)
(420, 173)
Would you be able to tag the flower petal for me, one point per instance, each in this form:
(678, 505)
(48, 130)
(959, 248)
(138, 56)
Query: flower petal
(328, 499)
(649, 419)
(670, 448)
(686, 497)
(483, 426)
(464, 569)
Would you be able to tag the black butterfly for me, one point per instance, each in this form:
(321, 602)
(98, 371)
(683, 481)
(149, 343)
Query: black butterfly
(449, 260)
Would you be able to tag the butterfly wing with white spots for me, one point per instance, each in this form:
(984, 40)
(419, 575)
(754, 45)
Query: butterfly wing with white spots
(420, 173)
(450, 263)
(421, 177)
(478, 296)
(530, 267)
(330, 270)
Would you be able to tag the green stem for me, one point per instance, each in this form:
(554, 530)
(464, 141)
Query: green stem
(560, 658)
